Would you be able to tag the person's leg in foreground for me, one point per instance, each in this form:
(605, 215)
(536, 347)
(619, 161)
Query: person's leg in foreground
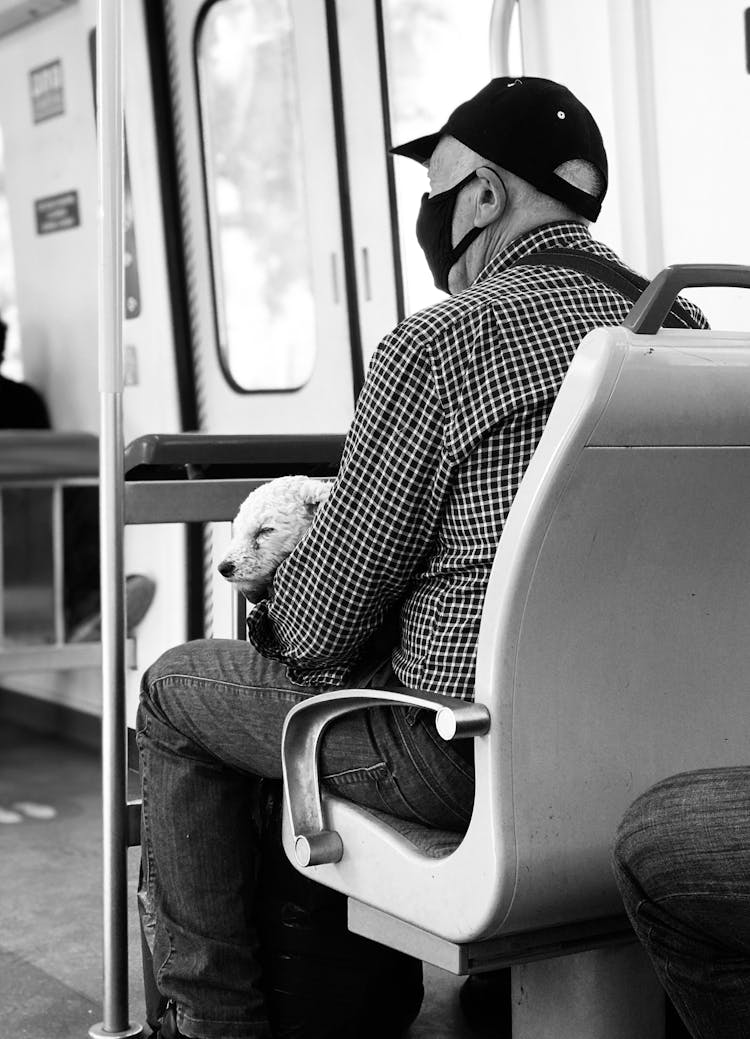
(682, 862)
(209, 724)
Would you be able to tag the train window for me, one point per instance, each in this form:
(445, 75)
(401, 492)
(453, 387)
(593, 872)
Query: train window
(11, 360)
(437, 55)
(256, 186)
(423, 43)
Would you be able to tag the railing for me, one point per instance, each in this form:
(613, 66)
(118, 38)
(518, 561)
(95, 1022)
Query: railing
(36, 469)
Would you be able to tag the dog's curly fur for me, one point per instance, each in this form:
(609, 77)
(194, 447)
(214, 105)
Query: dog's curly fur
(270, 522)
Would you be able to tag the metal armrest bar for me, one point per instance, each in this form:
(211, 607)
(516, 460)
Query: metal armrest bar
(196, 449)
(303, 730)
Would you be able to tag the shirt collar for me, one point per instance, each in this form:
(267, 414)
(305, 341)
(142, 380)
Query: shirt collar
(562, 233)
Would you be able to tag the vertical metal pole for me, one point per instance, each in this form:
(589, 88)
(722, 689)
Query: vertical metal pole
(534, 38)
(646, 81)
(111, 297)
(500, 22)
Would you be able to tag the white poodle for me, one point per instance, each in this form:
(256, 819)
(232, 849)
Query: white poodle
(271, 520)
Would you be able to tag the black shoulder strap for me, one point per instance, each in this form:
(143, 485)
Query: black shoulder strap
(612, 274)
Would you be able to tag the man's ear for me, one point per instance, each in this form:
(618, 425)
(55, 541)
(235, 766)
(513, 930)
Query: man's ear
(492, 197)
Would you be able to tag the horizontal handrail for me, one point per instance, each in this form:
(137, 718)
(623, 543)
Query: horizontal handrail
(45, 455)
(202, 449)
(33, 658)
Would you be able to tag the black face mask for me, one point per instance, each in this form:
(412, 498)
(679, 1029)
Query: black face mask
(434, 232)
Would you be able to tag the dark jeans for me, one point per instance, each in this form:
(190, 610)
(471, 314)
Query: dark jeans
(209, 724)
(682, 861)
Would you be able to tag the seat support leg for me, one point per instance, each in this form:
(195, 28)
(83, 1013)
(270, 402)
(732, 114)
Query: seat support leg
(610, 993)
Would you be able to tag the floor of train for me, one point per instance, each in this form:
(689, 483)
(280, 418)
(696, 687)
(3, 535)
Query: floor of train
(50, 919)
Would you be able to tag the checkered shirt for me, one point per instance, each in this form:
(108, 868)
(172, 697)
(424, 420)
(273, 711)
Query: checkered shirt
(453, 407)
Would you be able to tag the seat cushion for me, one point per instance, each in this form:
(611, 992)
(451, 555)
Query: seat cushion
(436, 844)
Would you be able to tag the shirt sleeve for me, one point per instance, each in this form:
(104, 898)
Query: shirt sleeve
(368, 538)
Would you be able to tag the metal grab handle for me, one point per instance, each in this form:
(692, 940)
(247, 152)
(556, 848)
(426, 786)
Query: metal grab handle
(649, 312)
(303, 729)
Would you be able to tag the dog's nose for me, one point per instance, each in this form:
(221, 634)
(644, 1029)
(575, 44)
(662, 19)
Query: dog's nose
(226, 568)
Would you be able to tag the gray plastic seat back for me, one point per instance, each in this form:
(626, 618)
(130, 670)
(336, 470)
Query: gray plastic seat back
(613, 648)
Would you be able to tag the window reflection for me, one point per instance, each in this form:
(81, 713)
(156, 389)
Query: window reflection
(255, 176)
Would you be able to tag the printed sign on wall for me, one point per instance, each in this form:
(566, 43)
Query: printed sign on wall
(57, 212)
(47, 94)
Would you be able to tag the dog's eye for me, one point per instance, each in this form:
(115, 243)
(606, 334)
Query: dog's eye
(264, 532)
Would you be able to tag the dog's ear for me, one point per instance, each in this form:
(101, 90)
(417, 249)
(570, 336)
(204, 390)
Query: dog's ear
(313, 492)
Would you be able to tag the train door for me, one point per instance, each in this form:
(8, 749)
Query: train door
(267, 228)
(296, 261)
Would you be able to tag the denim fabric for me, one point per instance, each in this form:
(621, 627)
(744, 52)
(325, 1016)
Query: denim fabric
(209, 724)
(682, 861)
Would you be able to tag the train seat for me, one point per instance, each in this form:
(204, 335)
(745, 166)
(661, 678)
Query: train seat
(613, 651)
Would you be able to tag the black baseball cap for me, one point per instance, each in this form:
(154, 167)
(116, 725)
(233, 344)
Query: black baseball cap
(529, 126)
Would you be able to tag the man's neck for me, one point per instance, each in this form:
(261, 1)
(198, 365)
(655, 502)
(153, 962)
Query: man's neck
(495, 240)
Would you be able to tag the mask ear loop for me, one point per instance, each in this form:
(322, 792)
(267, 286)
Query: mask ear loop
(471, 236)
(458, 250)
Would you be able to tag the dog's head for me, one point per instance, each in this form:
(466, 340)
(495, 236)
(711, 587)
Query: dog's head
(269, 524)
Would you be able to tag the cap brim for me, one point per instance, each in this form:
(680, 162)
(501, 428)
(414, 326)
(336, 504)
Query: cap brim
(420, 149)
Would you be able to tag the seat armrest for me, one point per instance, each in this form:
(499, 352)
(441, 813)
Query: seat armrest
(300, 740)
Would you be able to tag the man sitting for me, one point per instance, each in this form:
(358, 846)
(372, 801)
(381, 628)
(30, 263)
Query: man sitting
(455, 402)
